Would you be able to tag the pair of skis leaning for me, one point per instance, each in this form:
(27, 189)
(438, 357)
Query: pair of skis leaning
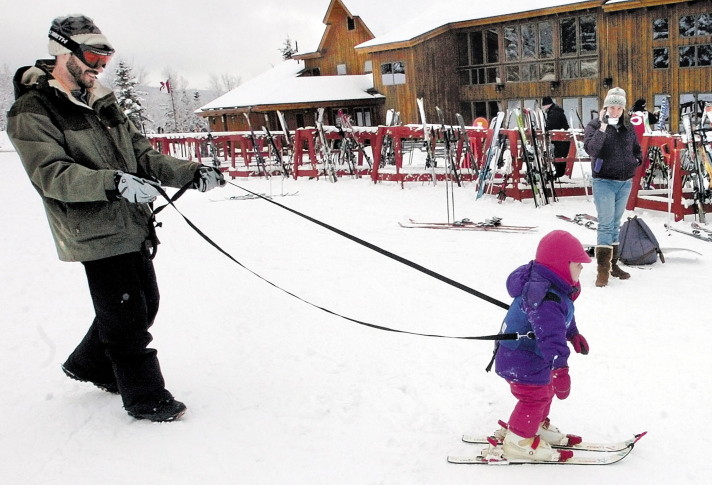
(583, 453)
(538, 172)
(535, 158)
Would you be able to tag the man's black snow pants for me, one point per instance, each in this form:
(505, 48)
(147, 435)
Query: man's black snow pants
(125, 295)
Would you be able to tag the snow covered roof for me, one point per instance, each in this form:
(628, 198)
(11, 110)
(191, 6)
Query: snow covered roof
(281, 85)
(461, 11)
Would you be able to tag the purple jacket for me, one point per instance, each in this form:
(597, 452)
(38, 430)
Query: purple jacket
(615, 154)
(543, 304)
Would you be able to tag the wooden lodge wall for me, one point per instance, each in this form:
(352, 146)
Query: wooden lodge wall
(337, 44)
(624, 52)
(627, 54)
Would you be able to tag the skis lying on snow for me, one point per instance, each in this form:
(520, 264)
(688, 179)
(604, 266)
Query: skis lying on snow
(583, 453)
(585, 220)
(591, 248)
(697, 232)
(493, 224)
(698, 227)
(255, 196)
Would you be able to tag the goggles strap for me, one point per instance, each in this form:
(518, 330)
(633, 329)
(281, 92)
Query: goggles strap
(70, 44)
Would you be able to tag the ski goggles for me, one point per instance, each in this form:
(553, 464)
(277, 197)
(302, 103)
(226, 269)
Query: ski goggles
(90, 55)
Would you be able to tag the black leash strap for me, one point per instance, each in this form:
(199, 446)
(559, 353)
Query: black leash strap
(384, 252)
(505, 336)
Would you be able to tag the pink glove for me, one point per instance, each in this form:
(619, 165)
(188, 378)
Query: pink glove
(579, 343)
(561, 382)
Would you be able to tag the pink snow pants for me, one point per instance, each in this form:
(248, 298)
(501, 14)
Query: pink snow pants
(534, 403)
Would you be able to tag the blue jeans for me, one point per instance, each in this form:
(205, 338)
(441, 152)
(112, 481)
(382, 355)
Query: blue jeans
(610, 198)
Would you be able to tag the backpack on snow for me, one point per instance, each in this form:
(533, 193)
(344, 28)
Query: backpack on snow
(638, 244)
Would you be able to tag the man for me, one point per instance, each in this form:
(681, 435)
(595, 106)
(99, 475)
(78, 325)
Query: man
(96, 176)
(556, 120)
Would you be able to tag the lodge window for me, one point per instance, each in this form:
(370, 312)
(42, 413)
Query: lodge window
(529, 52)
(578, 42)
(661, 29)
(356, 116)
(579, 111)
(529, 42)
(578, 35)
(393, 73)
(695, 25)
(478, 51)
(350, 23)
(661, 58)
(696, 55)
(363, 116)
(479, 109)
(694, 105)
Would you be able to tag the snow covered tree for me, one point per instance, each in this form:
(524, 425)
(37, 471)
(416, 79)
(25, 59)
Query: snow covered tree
(6, 95)
(219, 85)
(128, 96)
(287, 50)
(180, 105)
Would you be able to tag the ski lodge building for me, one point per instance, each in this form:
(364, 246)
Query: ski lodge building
(477, 58)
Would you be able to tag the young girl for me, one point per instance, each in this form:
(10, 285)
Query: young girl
(537, 368)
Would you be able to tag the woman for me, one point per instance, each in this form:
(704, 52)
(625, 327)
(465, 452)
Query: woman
(615, 155)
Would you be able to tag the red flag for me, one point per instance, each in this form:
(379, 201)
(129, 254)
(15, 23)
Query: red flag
(166, 85)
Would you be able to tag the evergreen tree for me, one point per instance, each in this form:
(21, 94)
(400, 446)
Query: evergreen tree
(6, 95)
(287, 50)
(128, 96)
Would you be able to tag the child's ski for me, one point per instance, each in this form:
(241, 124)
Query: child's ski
(584, 446)
(493, 455)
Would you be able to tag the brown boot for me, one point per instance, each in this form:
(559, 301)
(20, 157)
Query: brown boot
(616, 270)
(603, 258)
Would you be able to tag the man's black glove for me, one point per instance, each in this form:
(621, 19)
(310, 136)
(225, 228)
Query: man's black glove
(135, 189)
(207, 178)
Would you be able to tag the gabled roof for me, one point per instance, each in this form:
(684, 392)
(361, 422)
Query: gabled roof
(281, 85)
(439, 18)
(328, 21)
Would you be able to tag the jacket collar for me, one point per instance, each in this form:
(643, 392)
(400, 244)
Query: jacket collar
(40, 75)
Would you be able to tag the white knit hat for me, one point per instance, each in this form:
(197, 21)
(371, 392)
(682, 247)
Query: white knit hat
(81, 29)
(615, 97)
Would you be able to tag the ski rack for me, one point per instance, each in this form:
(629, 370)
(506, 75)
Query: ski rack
(517, 186)
(682, 203)
(235, 149)
(238, 159)
(306, 159)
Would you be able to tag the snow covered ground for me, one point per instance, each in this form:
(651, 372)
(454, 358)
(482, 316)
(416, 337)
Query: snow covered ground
(279, 392)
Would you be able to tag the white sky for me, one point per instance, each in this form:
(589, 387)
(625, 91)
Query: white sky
(195, 39)
(237, 37)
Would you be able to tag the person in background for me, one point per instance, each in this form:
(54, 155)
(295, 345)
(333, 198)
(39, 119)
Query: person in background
(615, 153)
(640, 106)
(96, 175)
(556, 120)
(537, 368)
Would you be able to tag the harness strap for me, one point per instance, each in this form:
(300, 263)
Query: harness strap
(506, 336)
